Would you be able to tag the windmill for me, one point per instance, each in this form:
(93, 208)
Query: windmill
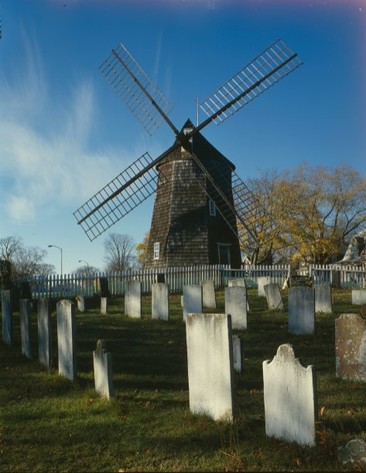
(203, 211)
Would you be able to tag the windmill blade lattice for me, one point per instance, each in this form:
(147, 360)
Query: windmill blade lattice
(124, 193)
(135, 88)
(275, 63)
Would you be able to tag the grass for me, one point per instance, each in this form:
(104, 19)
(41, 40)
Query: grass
(48, 423)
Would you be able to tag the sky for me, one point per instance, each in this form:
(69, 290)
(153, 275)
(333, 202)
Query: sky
(64, 133)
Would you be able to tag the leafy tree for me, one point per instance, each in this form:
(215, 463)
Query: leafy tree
(141, 249)
(119, 252)
(314, 211)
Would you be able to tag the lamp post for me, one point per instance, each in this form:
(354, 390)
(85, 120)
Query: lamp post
(59, 248)
(83, 261)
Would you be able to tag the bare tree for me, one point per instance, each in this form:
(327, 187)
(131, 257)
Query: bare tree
(119, 252)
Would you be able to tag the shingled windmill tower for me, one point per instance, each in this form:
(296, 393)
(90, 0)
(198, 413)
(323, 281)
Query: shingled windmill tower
(203, 211)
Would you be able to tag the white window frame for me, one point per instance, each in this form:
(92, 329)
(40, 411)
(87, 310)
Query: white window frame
(157, 250)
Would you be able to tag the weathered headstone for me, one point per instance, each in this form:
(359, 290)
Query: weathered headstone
(323, 298)
(25, 310)
(358, 296)
(160, 301)
(133, 299)
(210, 365)
(80, 302)
(350, 347)
(238, 355)
(261, 282)
(236, 306)
(273, 296)
(241, 283)
(44, 333)
(66, 339)
(301, 310)
(103, 305)
(208, 294)
(289, 398)
(102, 363)
(192, 299)
(7, 317)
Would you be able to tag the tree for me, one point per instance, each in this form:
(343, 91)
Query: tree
(87, 269)
(119, 252)
(314, 211)
(141, 249)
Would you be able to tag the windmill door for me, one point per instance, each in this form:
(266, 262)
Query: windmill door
(224, 253)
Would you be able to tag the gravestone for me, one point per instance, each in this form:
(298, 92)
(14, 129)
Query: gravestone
(238, 355)
(350, 347)
(241, 283)
(301, 310)
(25, 310)
(192, 299)
(66, 339)
(44, 333)
(323, 298)
(236, 306)
(102, 363)
(358, 296)
(80, 302)
(133, 299)
(289, 398)
(160, 301)
(7, 317)
(103, 305)
(273, 296)
(261, 282)
(208, 294)
(210, 365)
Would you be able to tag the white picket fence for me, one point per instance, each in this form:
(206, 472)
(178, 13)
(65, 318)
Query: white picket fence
(70, 285)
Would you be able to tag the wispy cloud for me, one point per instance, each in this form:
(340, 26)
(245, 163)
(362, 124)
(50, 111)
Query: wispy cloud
(45, 158)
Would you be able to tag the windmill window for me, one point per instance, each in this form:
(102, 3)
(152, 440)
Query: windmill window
(212, 208)
(157, 250)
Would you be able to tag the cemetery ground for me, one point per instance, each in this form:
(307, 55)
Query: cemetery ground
(48, 423)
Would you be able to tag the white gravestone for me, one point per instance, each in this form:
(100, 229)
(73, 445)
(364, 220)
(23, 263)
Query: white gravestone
(301, 310)
(350, 347)
(192, 299)
(241, 283)
(323, 298)
(66, 334)
(80, 302)
(210, 365)
(102, 364)
(289, 398)
(261, 282)
(273, 296)
(133, 299)
(103, 306)
(160, 301)
(7, 317)
(25, 310)
(238, 355)
(44, 333)
(236, 306)
(208, 294)
(358, 296)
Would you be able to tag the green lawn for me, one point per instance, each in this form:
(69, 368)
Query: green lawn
(48, 423)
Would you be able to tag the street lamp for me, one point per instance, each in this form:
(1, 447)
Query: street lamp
(59, 248)
(83, 261)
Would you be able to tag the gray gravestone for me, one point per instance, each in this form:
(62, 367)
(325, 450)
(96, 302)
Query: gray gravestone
(160, 301)
(210, 365)
(66, 335)
(261, 282)
(358, 296)
(133, 299)
(7, 317)
(323, 298)
(236, 306)
(238, 355)
(273, 296)
(25, 310)
(350, 347)
(192, 299)
(301, 310)
(241, 283)
(289, 398)
(103, 306)
(208, 294)
(44, 333)
(102, 364)
(80, 302)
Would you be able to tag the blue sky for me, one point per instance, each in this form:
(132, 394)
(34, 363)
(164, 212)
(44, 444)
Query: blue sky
(64, 133)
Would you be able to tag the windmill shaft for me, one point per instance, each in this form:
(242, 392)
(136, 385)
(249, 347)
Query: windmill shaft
(143, 89)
